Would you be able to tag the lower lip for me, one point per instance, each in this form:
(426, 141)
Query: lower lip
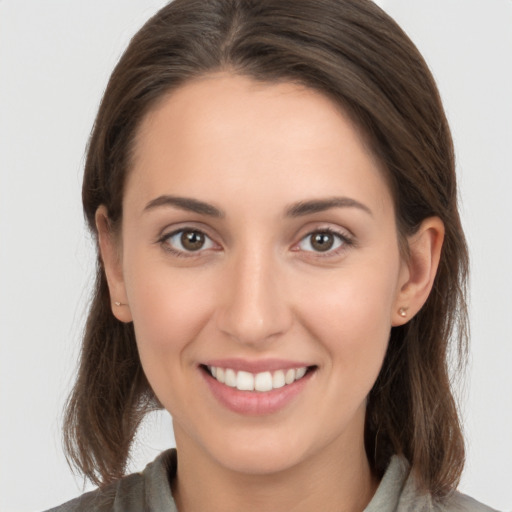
(255, 403)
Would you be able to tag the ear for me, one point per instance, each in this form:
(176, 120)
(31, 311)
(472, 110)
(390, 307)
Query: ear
(110, 251)
(418, 270)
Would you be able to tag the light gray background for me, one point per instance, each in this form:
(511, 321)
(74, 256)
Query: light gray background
(55, 58)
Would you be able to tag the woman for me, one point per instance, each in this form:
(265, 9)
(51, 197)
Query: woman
(281, 266)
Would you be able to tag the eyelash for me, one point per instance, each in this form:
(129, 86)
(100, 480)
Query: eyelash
(345, 242)
(164, 242)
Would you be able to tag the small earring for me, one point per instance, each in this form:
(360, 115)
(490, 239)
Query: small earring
(119, 303)
(402, 312)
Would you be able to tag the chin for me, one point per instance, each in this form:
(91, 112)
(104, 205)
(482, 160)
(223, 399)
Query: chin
(261, 451)
(263, 461)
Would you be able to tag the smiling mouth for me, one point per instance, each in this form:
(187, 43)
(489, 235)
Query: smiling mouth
(257, 382)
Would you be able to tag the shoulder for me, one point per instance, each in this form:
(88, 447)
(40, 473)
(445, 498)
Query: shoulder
(148, 490)
(398, 492)
(454, 502)
(458, 502)
(103, 499)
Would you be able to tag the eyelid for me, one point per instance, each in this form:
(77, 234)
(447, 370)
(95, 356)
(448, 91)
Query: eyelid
(344, 235)
(163, 240)
(346, 238)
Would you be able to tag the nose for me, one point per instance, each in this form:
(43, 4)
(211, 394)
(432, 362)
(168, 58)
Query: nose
(254, 308)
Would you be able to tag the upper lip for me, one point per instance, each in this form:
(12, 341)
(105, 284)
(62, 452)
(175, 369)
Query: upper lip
(256, 366)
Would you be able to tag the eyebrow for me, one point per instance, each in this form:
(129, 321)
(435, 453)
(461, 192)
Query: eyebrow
(295, 210)
(185, 203)
(319, 205)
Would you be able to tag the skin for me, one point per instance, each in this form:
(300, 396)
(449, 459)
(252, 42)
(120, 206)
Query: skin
(258, 289)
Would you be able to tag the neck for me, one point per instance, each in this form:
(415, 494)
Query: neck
(337, 479)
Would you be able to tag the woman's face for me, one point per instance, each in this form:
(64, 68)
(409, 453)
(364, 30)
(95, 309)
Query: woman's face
(258, 239)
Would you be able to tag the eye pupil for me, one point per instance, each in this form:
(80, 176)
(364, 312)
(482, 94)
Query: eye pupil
(322, 241)
(192, 240)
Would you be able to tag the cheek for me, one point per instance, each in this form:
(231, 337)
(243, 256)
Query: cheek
(352, 317)
(169, 309)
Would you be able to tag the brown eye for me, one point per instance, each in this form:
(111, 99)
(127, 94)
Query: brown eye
(322, 241)
(186, 241)
(192, 240)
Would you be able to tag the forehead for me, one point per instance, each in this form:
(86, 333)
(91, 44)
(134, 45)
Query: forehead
(222, 103)
(257, 138)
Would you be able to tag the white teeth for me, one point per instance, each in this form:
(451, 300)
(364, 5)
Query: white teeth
(263, 381)
(278, 379)
(230, 378)
(300, 373)
(245, 381)
(290, 376)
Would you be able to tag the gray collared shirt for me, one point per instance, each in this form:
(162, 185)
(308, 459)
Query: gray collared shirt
(149, 491)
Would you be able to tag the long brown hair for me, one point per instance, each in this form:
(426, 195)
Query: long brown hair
(351, 51)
